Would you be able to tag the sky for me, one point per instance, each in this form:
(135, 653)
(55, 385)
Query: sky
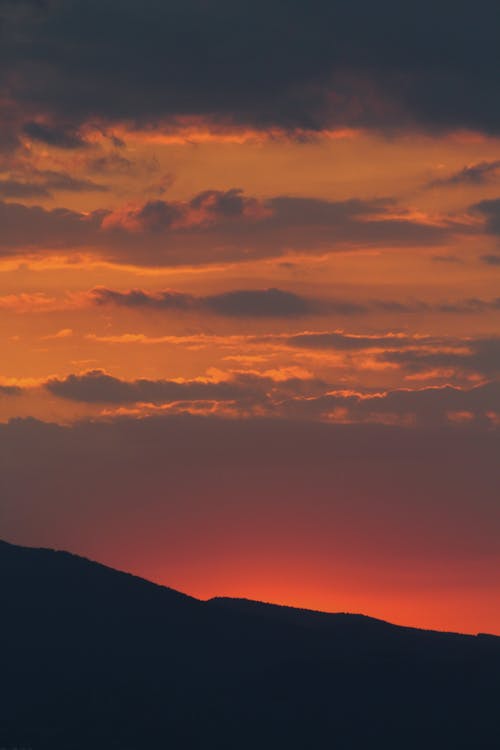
(250, 300)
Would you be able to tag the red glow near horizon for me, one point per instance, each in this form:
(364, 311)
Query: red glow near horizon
(412, 598)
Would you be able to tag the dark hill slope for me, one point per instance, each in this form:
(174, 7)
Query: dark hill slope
(93, 658)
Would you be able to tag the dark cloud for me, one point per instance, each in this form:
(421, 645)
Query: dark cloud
(229, 203)
(62, 181)
(237, 303)
(468, 306)
(345, 342)
(260, 303)
(97, 387)
(280, 303)
(216, 226)
(289, 398)
(475, 174)
(10, 390)
(491, 260)
(113, 162)
(138, 298)
(57, 136)
(312, 65)
(157, 216)
(9, 130)
(471, 305)
(42, 183)
(490, 210)
(16, 189)
(430, 406)
(23, 4)
(479, 356)
(9, 141)
(33, 228)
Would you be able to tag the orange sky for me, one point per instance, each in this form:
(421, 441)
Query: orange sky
(339, 277)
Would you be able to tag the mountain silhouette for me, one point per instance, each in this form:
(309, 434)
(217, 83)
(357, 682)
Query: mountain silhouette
(94, 658)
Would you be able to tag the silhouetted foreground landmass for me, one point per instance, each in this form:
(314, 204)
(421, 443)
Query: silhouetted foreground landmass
(94, 658)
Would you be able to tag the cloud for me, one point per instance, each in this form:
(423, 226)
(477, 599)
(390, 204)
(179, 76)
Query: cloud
(289, 394)
(260, 303)
(139, 298)
(53, 135)
(42, 183)
(472, 305)
(278, 303)
(491, 260)
(16, 189)
(112, 163)
(10, 390)
(474, 174)
(348, 342)
(479, 356)
(98, 387)
(232, 203)
(61, 181)
(427, 407)
(272, 303)
(32, 228)
(217, 226)
(333, 64)
(490, 211)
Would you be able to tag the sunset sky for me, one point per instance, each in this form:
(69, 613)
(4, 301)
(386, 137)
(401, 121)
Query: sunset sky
(250, 298)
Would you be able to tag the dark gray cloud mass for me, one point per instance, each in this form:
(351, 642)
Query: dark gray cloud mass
(431, 406)
(490, 210)
(139, 298)
(215, 226)
(10, 390)
(344, 342)
(97, 387)
(425, 407)
(491, 260)
(279, 303)
(272, 303)
(12, 188)
(479, 355)
(43, 183)
(301, 64)
(474, 174)
(60, 137)
(260, 303)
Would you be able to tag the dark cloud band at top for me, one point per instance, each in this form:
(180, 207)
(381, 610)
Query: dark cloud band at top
(311, 65)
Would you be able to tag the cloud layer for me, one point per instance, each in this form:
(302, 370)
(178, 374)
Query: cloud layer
(312, 66)
(215, 226)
